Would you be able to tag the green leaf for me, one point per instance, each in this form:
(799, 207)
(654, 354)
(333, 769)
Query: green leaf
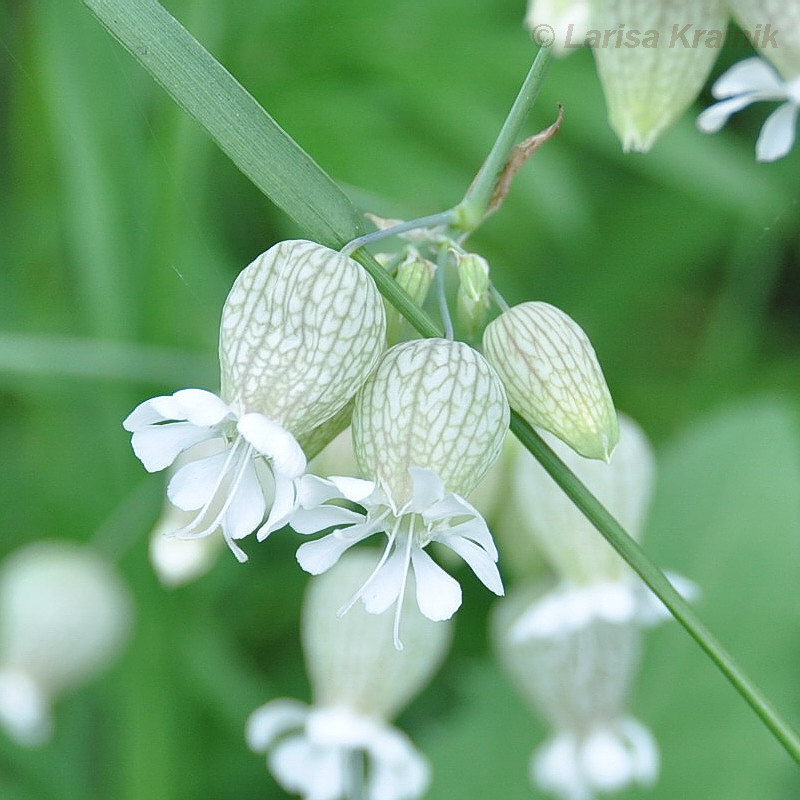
(250, 137)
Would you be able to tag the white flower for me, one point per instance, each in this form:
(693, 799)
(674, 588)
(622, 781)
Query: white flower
(302, 328)
(568, 606)
(604, 759)
(432, 514)
(751, 81)
(64, 615)
(314, 752)
(225, 488)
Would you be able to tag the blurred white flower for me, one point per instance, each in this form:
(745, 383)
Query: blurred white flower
(313, 752)
(751, 81)
(64, 615)
(360, 681)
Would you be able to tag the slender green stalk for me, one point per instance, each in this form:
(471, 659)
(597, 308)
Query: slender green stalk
(472, 209)
(305, 192)
(432, 221)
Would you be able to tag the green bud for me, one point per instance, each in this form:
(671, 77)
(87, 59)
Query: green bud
(473, 291)
(552, 376)
(653, 58)
(434, 404)
(414, 274)
(774, 29)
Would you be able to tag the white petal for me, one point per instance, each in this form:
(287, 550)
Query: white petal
(651, 611)
(474, 529)
(384, 588)
(200, 407)
(313, 520)
(428, 489)
(555, 768)
(778, 133)
(283, 506)
(753, 75)
(438, 595)
(157, 446)
(319, 556)
(481, 564)
(614, 602)
(398, 771)
(24, 709)
(714, 117)
(274, 442)
(356, 490)
(272, 720)
(313, 491)
(606, 762)
(192, 485)
(148, 413)
(302, 768)
(644, 751)
(247, 507)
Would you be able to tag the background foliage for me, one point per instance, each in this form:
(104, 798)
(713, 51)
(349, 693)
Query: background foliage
(121, 229)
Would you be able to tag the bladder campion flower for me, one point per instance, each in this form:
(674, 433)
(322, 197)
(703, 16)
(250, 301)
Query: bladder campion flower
(655, 62)
(751, 81)
(427, 425)
(64, 615)
(301, 329)
(578, 680)
(359, 682)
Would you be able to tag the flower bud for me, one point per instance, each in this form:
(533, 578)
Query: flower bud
(653, 59)
(64, 614)
(562, 22)
(570, 543)
(301, 329)
(552, 376)
(433, 404)
(774, 29)
(351, 660)
(414, 274)
(578, 681)
(473, 291)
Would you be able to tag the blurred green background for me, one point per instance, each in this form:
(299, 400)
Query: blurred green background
(121, 229)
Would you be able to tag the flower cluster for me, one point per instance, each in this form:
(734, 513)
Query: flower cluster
(303, 355)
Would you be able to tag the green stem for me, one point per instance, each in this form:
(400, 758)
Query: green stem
(287, 175)
(432, 221)
(472, 209)
(632, 552)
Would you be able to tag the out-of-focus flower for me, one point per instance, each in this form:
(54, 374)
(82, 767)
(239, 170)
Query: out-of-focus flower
(427, 425)
(651, 62)
(301, 329)
(64, 615)
(578, 680)
(751, 81)
(360, 682)
(562, 22)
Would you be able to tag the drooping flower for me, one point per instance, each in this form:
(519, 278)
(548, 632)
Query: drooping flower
(578, 680)
(773, 27)
(64, 615)
(552, 376)
(301, 329)
(751, 81)
(650, 80)
(360, 682)
(427, 425)
(592, 579)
